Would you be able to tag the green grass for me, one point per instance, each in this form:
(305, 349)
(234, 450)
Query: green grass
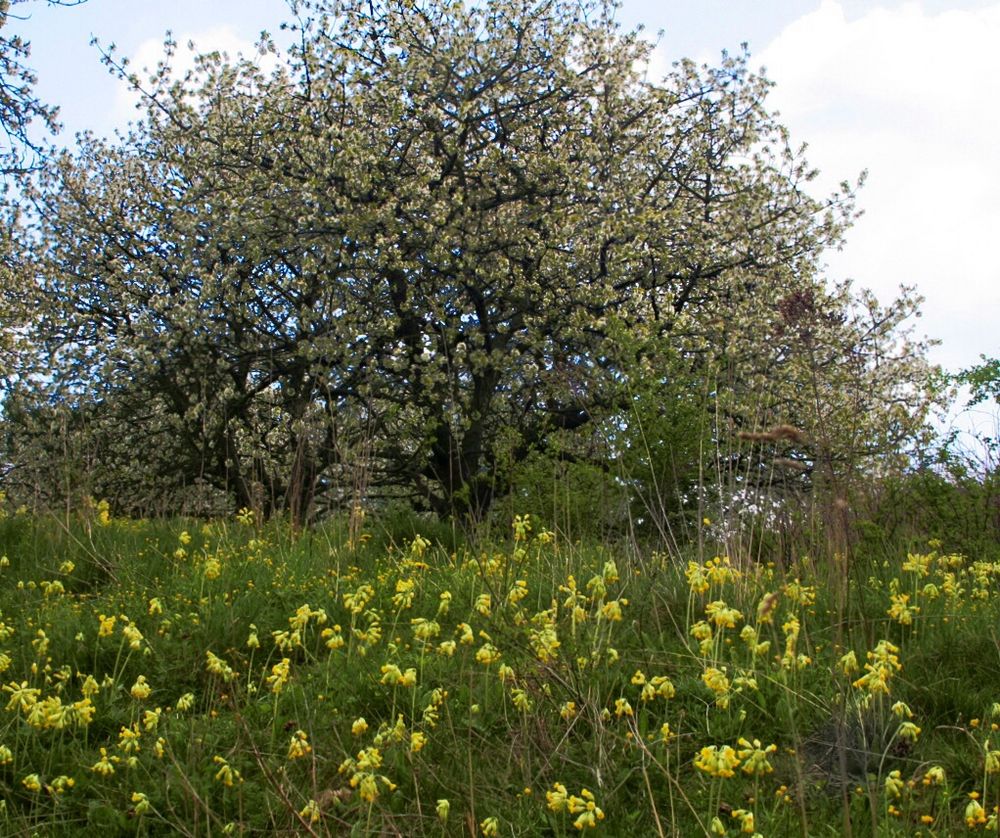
(504, 680)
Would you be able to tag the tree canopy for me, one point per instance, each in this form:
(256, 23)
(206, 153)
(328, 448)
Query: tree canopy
(434, 239)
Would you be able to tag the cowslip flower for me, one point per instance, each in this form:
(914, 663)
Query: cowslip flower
(894, 785)
(586, 809)
(488, 654)
(299, 745)
(22, 696)
(483, 604)
(717, 681)
(310, 812)
(934, 776)
(227, 775)
(717, 762)
(140, 690)
(279, 676)
(442, 809)
(975, 815)
(722, 615)
(557, 799)
(754, 757)
(104, 766)
(658, 686)
(522, 701)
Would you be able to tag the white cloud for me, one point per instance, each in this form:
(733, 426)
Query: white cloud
(145, 58)
(912, 97)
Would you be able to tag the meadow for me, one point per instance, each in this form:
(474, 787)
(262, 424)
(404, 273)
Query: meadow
(229, 678)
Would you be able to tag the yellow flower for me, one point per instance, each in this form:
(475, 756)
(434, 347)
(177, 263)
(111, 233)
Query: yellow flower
(61, 784)
(107, 625)
(894, 785)
(299, 745)
(623, 708)
(745, 818)
(754, 757)
(310, 812)
(697, 581)
(405, 591)
(141, 803)
(901, 611)
(279, 676)
(484, 603)
(185, 702)
(21, 695)
(718, 683)
(32, 783)
(104, 765)
(722, 615)
(488, 654)
(518, 592)
(128, 739)
(658, 686)
(359, 727)
(417, 741)
(227, 775)
(975, 815)
(442, 809)
(557, 798)
(612, 610)
(568, 710)
(333, 637)
(425, 630)
(140, 689)
(586, 808)
(490, 827)
(717, 762)
(934, 776)
(217, 666)
(522, 701)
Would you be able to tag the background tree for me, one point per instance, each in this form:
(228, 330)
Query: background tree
(426, 237)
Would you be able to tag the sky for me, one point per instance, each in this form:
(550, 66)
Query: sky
(906, 91)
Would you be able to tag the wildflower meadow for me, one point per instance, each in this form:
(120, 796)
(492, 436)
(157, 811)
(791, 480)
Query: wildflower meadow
(228, 678)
